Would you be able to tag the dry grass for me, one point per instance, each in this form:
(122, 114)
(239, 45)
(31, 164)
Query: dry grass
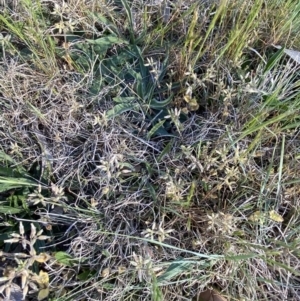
(146, 200)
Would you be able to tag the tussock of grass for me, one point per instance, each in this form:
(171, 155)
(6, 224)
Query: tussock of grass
(155, 144)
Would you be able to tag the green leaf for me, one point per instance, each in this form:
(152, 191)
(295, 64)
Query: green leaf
(165, 151)
(8, 183)
(101, 19)
(17, 199)
(64, 258)
(152, 192)
(155, 129)
(10, 210)
(121, 108)
(6, 157)
(157, 294)
(151, 89)
(144, 71)
(158, 105)
(86, 275)
(102, 44)
(6, 187)
(120, 99)
(9, 172)
(174, 270)
(139, 84)
(162, 132)
(12, 181)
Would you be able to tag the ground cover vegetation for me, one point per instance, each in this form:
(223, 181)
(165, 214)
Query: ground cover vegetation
(150, 150)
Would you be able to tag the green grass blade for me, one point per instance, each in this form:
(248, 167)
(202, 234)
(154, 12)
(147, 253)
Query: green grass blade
(275, 58)
(130, 19)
